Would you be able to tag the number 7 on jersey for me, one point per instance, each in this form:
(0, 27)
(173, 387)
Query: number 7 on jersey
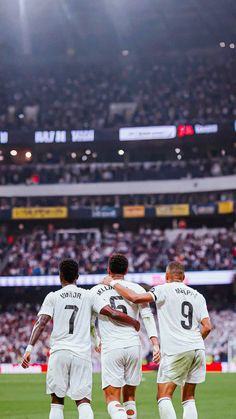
(72, 318)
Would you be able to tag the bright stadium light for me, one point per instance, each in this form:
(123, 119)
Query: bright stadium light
(88, 152)
(73, 155)
(94, 155)
(1, 158)
(232, 45)
(177, 150)
(125, 52)
(13, 153)
(28, 155)
(84, 158)
(121, 152)
(179, 157)
(222, 44)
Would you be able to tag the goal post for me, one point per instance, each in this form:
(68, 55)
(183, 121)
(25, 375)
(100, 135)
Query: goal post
(232, 355)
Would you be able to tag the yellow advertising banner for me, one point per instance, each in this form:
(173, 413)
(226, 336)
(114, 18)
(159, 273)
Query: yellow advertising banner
(22, 213)
(172, 210)
(134, 211)
(225, 207)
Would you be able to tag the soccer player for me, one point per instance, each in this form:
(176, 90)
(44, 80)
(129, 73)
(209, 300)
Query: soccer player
(184, 324)
(121, 349)
(70, 366)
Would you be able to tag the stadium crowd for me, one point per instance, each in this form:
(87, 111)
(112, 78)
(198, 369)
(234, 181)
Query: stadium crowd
(193, 90)
(32, 174)
(147, 249)
(16, 323)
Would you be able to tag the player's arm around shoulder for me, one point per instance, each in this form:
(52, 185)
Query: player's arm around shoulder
(127, 293)
(150, 325)
(100, 306)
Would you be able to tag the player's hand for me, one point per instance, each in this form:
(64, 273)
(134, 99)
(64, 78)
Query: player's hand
(107, 280)
(98, 348)
(26, 360)
(156, 354)
(137, 325)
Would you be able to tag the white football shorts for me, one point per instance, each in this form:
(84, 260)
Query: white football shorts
(69, 375)
(187, 367)
(122, 366)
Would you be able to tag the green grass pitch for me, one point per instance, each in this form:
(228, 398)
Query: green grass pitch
(23, 397)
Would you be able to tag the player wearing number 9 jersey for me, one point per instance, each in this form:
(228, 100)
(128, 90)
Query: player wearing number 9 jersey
(184, 324)
(70, 367)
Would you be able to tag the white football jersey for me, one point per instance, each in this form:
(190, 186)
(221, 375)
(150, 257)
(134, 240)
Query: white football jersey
(70, 309)
(180, 310)
(114, 334)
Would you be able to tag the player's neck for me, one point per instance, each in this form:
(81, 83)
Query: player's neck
(176, 280)
(65, 284)
(117, 277)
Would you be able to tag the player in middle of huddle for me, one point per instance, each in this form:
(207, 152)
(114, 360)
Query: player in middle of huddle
(120, 346)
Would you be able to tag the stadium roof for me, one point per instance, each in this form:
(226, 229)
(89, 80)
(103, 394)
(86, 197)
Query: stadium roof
(105, 26)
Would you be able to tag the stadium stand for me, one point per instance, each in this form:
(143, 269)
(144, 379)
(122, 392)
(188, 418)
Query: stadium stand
(148, 249)
(33, 174)
(199, 90)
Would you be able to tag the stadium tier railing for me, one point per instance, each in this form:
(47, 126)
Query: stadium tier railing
(208, 184)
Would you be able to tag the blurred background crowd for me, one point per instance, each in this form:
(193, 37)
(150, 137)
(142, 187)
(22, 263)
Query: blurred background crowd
(148, 249)
(194, 89)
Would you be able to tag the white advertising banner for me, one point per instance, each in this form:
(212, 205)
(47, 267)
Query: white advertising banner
(147, 133)
(206, 129)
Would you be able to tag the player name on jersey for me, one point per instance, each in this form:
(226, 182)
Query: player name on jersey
(70, 294)
(103, 289)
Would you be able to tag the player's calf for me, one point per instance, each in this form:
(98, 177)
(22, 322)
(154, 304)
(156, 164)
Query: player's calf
(165, 392)
(190, 410)
(131, 410)
(129, 401)
(84, 409)
(57, 407)
(116, 410)
(188, 401)
(166, 409)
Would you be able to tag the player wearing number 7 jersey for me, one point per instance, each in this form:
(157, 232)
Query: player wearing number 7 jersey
(70, 366)
(184, 324)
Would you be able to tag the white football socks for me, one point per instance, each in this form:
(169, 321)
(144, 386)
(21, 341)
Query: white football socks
(56, 411)
(166, 409)
(116, 410)
(190, 410)
(85, 411)
(131, 410)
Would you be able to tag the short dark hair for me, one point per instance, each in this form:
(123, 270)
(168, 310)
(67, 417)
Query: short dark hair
(175, 268)
(69, 270)
(118, 264)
